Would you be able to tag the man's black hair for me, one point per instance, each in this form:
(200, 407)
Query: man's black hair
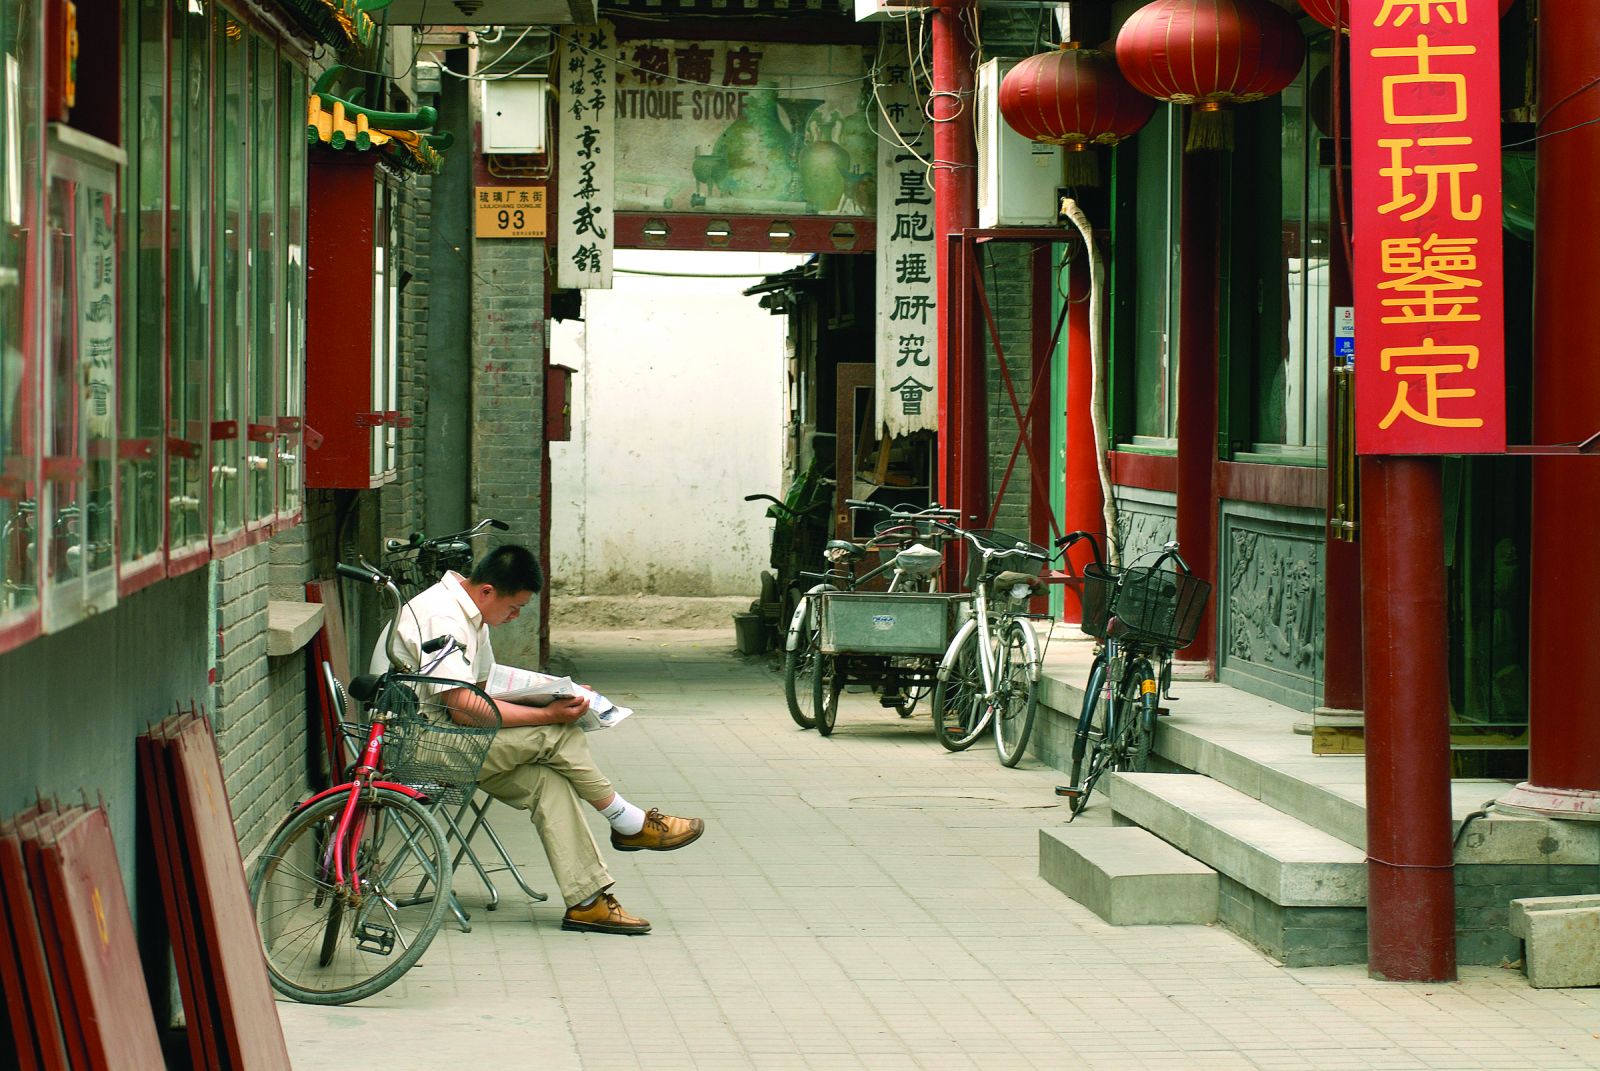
(509, 569)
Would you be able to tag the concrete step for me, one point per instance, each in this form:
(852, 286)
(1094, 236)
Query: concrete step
(1127, 876)
(1284, 860)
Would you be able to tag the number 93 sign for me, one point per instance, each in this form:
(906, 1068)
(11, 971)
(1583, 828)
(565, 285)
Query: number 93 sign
(508, 212)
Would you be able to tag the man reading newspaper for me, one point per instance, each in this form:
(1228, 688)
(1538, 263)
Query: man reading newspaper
(539, 761)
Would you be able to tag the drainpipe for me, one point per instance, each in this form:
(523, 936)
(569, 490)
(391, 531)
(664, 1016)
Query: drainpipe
(1564, 757)
(1199, 293)
(955, 199)
(1411, 918)
(1084, 504)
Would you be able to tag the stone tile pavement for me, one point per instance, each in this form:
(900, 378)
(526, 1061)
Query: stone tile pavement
(870, 901)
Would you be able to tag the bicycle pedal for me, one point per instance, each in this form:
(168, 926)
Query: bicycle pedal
(1163, 712)
(1069, 791)
(371, 937)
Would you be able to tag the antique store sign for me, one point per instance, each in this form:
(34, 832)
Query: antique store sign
(1426, 159)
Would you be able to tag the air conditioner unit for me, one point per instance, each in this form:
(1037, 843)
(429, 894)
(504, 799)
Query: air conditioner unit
(1017, 178)
(514, 114)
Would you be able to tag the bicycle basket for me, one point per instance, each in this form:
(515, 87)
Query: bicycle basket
(1161, 607)
(1012, 552)
(423, 748)
(1099, 590)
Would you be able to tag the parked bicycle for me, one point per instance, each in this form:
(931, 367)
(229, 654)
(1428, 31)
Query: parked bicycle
(1140, 615)
(418, 562)
(354, 884)
(990, 673)
(811, 684)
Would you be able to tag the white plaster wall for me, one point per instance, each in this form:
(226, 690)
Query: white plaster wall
(677, 415)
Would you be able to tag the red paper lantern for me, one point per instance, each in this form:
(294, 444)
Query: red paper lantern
(1328, 12)
(1210, 53)
(1074, 97)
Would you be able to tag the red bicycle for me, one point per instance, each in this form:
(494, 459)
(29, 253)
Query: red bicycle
(355, 883)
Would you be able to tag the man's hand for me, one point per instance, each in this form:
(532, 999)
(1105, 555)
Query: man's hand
(565, 711)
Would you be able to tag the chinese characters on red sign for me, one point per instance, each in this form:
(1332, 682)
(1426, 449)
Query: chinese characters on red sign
(1426, 160)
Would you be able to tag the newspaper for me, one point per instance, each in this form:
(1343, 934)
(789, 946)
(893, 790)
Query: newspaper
(528, 688)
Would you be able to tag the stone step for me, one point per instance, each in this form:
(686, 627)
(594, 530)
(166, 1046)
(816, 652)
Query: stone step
(1561, 939)
(1127, 876)
(1286, 861)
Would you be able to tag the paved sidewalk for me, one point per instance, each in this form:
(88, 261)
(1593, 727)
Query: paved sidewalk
(870, 901)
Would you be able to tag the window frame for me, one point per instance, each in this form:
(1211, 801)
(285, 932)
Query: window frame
(139, 572)
(293, 186)
(22, 467)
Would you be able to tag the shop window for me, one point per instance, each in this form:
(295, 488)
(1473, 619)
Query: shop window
(189, 291)
(82, 279)
(232, 204)
(1279, 334)
(263, 295)
(292, 339)
(20, 546)
(1147, 393)
(141, 512)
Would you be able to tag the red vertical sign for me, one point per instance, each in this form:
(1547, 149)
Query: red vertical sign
(1425, 88)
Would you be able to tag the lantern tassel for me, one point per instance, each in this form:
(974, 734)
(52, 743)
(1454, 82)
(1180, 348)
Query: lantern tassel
(1081, 167)
(1210, 129)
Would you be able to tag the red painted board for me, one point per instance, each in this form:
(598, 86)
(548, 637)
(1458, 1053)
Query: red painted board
(177, 900)
(16, 1028)
(327, 593)
(101, 955)
(33, 824)
(252, 1033)
(41, 1024)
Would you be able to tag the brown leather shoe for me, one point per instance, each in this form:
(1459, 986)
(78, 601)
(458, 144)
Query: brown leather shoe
(605, 915)
(661, 833)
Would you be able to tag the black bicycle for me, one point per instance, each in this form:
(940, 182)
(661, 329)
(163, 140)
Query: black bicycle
(417, 563)
(1140, 615)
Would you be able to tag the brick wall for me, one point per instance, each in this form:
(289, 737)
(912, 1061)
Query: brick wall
(1008, 281)
(508, 353)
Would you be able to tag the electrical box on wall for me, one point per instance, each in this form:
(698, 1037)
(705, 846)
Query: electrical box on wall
(884, 10)
(1017, 178)
(515, 113)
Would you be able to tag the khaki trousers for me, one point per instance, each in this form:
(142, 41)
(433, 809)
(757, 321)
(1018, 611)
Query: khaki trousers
(548, 771)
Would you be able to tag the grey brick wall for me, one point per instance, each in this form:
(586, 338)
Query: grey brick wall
(402, 500)
(508, 354)
(1008, 281)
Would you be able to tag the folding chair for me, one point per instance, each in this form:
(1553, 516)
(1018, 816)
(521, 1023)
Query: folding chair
(450, 802)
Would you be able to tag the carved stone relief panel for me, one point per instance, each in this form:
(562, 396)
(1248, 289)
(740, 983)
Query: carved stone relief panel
(1273, 603)
(1143, 526)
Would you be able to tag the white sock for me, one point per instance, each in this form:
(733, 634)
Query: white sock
(624, 817)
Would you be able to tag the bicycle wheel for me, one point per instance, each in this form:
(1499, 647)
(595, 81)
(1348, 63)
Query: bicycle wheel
(826, 684)
(1016, 694)
(329, 944)
(1086, 741)
(797, 669)
(959, 711)
(1141, 729)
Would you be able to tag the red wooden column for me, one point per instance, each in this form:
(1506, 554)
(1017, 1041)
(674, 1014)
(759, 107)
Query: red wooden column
(1083, 506)
(1200, 242)
(955, 200)
(1564, 613)
(1410, 875)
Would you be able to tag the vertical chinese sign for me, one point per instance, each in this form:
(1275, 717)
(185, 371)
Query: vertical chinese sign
(907, 328)
(1426, 160)
(585, 207)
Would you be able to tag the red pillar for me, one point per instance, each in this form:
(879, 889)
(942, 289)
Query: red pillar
(1410, 873)
(1564, 630)
(1084, 504)
(955, 199)
(1199, 242)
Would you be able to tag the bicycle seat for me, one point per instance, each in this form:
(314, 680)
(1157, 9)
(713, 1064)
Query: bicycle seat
(1011, 578)
(918, 560)
(853, 551)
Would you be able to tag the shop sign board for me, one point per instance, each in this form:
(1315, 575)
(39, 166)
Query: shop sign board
(907, 317)
(735, 128)
(586, 201)
(1425, 151)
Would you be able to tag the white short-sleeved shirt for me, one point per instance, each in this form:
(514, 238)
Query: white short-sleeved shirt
(442, 610)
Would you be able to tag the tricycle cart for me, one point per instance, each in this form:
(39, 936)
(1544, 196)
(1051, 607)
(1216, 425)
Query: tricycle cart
(890, 640)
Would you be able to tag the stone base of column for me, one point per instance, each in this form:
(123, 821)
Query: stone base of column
(1577, 804)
